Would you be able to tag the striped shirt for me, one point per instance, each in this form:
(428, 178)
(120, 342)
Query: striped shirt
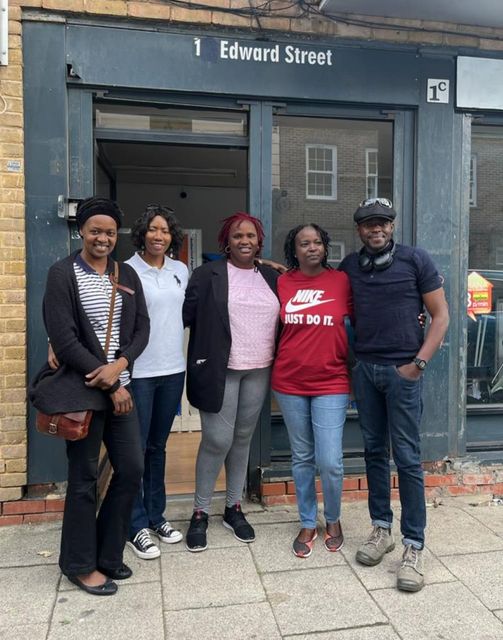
(95, 292)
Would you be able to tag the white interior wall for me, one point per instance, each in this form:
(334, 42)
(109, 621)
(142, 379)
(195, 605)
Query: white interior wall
(203, 208)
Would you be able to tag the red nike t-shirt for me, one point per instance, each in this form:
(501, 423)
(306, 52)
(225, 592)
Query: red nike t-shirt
(313, 346)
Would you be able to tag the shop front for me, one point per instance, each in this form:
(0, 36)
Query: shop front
(290, 131)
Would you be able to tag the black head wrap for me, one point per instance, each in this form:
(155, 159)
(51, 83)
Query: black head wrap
(97, 206)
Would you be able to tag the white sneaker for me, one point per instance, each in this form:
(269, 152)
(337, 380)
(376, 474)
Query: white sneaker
(143, 546)
(167, 534)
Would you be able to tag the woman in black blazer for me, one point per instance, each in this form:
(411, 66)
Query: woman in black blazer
(232, 310)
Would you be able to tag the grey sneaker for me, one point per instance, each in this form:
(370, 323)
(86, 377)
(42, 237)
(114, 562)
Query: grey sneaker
(410, 576)
(373, 550)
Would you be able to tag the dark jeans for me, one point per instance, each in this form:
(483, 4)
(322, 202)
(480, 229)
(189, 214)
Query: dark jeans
(88, 541)
(390, 407)
(157, 400)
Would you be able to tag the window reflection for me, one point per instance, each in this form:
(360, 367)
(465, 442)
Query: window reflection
(485, 327)
(321, 169)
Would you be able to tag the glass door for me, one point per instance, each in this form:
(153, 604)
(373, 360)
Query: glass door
(322, 167)
(484, 387)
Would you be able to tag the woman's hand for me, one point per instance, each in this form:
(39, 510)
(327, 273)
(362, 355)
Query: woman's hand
(123, 402)
(107, 375)
(51, 358)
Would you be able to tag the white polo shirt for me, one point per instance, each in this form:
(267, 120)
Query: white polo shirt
(164, 291)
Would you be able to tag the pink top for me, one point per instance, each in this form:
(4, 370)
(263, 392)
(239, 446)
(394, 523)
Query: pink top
(253, 315)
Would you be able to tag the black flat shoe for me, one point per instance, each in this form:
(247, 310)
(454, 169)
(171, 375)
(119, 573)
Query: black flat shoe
(108, 588)
(122, 573)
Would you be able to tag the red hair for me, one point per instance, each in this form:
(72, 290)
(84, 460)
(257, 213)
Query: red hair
(239, 216)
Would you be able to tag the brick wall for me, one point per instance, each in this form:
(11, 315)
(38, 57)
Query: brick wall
(12, 272)
(281, 17)
(438, 485)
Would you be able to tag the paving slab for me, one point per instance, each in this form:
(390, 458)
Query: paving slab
(27, 594)
(383, 575)
(272, 516)
(143, 571)
(490, 515)
(448, 611)
(272, 550)
(216, 577)
(218, 536)
(40, 545)
(131, 613)
(481, 573)
(314, 600)
(451, 530)
(243, 622)
(376, 632)
(25, 632)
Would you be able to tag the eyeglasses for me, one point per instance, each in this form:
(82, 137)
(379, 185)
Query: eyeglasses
(369, 202)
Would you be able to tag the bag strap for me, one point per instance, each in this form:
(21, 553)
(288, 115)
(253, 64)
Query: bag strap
(115, 280)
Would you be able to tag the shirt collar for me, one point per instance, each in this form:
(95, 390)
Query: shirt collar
(142, 266)
(79, 260)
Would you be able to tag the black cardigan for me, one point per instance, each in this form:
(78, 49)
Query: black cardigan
(75, 343)
(206, 312)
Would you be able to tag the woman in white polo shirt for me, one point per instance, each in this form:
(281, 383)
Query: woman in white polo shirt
(159, 372)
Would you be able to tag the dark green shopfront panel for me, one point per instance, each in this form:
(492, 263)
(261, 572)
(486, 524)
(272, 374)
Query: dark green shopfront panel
(47, 236)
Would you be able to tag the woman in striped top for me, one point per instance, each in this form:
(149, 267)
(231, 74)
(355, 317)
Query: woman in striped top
(76, 311)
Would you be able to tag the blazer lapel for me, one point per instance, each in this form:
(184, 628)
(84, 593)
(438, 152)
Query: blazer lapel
(220, 285)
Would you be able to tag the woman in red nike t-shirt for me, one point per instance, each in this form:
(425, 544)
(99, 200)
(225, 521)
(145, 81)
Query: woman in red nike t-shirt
(310, 378)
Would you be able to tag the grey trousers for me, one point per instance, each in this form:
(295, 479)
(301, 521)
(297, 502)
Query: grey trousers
(226, 435)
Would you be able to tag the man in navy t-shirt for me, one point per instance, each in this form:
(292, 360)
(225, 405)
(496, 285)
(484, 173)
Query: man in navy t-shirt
(391, 284)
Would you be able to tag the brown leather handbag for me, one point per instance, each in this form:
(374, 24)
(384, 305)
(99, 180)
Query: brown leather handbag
(75, 425)
(70, 426)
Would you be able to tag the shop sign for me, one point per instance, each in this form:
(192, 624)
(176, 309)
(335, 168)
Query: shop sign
(478, 83)
(214, 49)
(480, 295)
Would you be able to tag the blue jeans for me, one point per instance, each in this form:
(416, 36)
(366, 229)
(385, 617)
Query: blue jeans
(157, 400)
(315, 425)
(390, 408)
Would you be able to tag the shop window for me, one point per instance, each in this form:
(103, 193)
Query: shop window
(485, 275)
(334, 148)
(371, 173)
(473, 180)
(321, 172)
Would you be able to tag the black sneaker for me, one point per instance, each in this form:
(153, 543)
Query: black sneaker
(234, 519)
(143, 546)
(195, 539)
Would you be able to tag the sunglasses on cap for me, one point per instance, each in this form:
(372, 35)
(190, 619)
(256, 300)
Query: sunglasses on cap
(370, 202)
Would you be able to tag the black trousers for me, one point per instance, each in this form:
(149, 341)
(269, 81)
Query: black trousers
(87, 541)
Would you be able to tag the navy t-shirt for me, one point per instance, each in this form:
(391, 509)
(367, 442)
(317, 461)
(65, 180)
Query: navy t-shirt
(387, 304)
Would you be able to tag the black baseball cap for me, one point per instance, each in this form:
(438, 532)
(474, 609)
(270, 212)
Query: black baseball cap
(374, 208)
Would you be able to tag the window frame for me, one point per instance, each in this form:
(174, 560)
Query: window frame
(368, 151)
(472, 182)
(332, 173)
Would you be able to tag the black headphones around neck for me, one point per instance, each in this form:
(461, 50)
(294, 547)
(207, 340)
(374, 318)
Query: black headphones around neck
(378, 261)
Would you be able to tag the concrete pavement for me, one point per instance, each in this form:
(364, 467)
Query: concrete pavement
(262, 591)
